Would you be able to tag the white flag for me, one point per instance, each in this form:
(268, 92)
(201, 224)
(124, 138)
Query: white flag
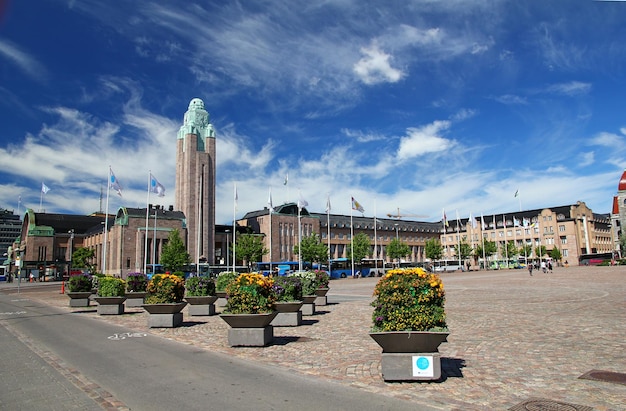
(357, 206)
(156, 187)
(269, 201)
(286, 179)
(44, 188)
(113, 183)
(302, 202)
(328, 204)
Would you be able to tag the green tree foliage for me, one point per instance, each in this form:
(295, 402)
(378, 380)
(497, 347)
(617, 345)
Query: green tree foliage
(397, 249)
(465, 250)
(249, 248)
(174, 256)
(361, 244)
(556, 254)
(312, 249)
(541, 250)
(509, 249)
(82, 258)
(526, 250)
(433, 249)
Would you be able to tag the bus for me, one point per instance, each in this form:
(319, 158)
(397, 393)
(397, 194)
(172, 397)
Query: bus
(280, 267)
(340, 268)
(372, 267)
(448, 265)
(596, 258)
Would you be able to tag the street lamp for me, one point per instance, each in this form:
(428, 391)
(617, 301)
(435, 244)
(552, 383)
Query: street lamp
(69, 266)
(397, 241)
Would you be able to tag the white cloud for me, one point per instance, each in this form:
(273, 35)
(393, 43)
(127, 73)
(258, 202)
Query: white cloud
(374, 67)
(424, 140)
(570, 89)
(27, 63)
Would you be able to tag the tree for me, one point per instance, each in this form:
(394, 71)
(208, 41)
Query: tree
(526, 250)
(509, 249)
(174, 256)
(82, 258)
(433, 249)
(541, 250)
(397, 249)
(465, 250)
(312, 249)
(556, 254)
(249, 247)
(361, 245)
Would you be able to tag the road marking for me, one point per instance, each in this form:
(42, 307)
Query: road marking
(13, 313)
(123, 336)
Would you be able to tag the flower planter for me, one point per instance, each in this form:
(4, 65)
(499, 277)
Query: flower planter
(289, 314)
(201, 305)
(167, 315)
(308, 304)
(250, 330)
(135, 298)
(410, 355)
(222, 298)
(110, 305)
(79, 298)
(321, 296)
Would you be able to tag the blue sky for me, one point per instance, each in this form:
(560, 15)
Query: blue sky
(413, 105)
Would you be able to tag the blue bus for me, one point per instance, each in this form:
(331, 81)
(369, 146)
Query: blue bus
(280, 267)
(340, 268)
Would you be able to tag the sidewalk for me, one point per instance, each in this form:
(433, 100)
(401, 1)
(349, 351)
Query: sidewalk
(513, 338)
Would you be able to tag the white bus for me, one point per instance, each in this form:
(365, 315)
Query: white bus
(448, 265)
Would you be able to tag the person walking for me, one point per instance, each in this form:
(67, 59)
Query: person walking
(530, 269)
(543, 266)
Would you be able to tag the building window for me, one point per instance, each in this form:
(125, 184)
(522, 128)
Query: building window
(128, 263)
(563, 240)
(561, 228)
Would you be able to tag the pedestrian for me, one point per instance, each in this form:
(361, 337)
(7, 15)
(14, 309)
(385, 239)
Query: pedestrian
(530, 269)
(543, 266)
(549, 266)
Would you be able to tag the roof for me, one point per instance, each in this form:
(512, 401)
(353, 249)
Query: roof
(81, 224)
(622, 182)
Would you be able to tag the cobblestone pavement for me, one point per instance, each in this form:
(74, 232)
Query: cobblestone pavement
(513, 337)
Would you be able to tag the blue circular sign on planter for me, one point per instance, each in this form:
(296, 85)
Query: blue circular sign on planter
(422, 363)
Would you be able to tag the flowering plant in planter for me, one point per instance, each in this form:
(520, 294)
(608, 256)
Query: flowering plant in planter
(250, 294)
(80, 283)
(165, 289)
(224, 278)
(111, 287)
(409, 300)
(200, 286)
(288, 288)
(136, 282)
(308, 280)
(322, 278)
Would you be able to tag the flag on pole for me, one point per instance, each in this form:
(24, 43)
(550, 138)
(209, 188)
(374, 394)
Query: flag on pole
(356, 206)
(482, 221)
(473, 221)
(445, 219)
(156, 187)
(301, 201)
(516, 192)
(328, 204)
(44, 188)
(269, 201)
(516, 222)
(236, 198)
(113, 183)
(286, 179)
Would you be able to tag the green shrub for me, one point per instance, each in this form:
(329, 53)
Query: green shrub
(250, 293)
(199, 286)
(224, 278)
(80, 283)
(111, 287)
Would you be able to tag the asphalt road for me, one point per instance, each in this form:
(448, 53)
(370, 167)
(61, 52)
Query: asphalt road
(122, 369)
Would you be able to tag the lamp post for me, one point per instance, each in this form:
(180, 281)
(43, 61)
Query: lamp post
(69, 266)
(397, 242)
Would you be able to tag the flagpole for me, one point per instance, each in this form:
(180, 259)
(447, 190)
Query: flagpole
(41, 199)
(482, 228)
(145, 246)
(375, 242)
(458, 235)
(270, 242)
(351, 238)
(199, 226)
(328, 227)
(234, 222)
(299, 239)
(106, 225)
(506, 248)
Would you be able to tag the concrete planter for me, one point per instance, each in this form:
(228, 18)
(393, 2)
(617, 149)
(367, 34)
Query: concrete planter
(201, 305)
(135, 298)
(308, 304)
(79, 298)
(222, 298)
(250, 330)
(410, 355)
(321, 299)
(289, 314)
(167, 315)
(110, 305)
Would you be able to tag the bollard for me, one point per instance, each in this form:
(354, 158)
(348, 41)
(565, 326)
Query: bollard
(62, 287)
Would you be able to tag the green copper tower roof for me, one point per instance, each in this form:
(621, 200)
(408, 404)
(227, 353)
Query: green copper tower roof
(196, 122)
